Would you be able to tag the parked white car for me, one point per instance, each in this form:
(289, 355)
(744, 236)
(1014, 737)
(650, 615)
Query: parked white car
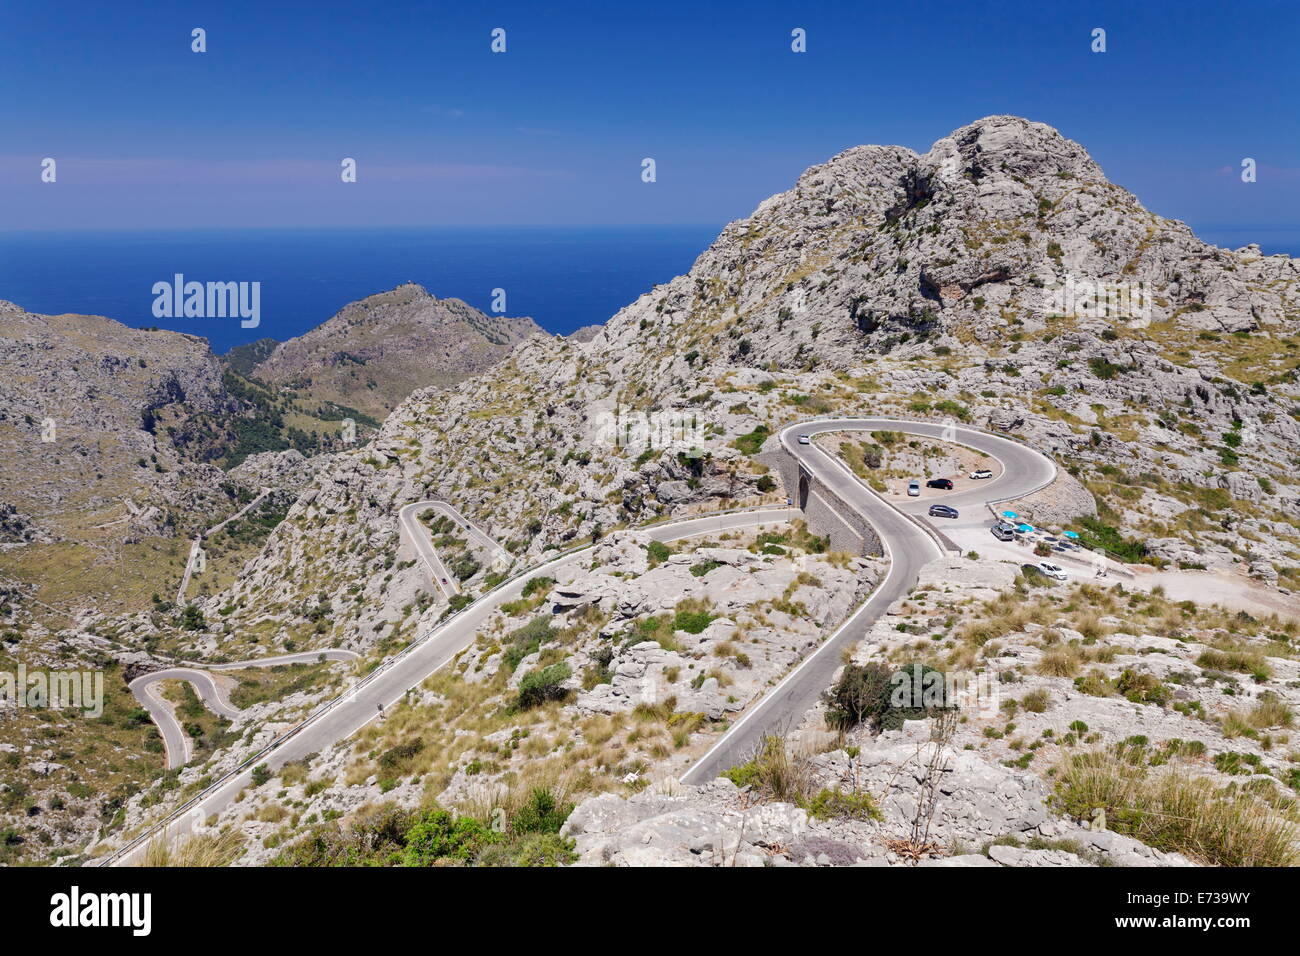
(914, 488)
(1054, 571)
(979, 473)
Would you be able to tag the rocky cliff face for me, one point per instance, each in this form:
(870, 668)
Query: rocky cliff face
(376, 351)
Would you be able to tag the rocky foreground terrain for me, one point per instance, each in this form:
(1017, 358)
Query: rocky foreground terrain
(1094, 698)
(999, 280)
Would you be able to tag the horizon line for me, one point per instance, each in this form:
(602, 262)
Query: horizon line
(359, 228)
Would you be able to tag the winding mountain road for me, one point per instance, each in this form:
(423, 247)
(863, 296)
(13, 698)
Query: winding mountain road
(488, 544)
(385, 686)
(197, 545)
(421, 539)
(179, 750)
(907, 544)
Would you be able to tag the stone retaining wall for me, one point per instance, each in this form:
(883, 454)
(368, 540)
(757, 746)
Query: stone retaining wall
(825, 513)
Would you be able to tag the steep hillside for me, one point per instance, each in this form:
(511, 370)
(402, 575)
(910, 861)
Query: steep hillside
(88, 473)
(242, 359)
(883, 282)
(113, 442)
(376, 351)
(146, 425)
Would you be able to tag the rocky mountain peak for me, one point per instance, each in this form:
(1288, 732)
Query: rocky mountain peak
(1002, 228)
(1008, 147)
(375, 351)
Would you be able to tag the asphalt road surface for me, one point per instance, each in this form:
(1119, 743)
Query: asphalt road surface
(907, 546)
(177, 743)
(422, 540)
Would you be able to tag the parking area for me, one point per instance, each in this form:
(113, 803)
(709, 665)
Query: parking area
(896, 488)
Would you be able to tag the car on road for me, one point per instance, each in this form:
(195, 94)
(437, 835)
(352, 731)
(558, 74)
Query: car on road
(1003, 531)
(979, 473)
(942, 511)
(804, 440)
(914, 489)
(1054, 571)
(944, 484)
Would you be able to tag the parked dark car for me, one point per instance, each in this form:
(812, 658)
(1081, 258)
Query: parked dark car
(942, 511)
(944, 483)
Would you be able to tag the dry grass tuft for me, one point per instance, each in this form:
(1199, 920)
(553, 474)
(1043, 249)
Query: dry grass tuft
(1172, 810)
(202, 850)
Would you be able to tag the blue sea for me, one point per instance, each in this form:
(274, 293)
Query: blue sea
(564, 278)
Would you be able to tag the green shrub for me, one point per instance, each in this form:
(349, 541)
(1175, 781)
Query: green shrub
(538, 585)
(1142, 687)
(751, 443)
(464, 567)
(540, 686)
(544, 849)
(526, 640)
(438, 835)
(1096, 534)
(1106, 370)
(398, 756)
(543, 813)
(1232, 762)
(882, 697)
(742, 775)
(692, 622)
(659, 552)
(392, 836)
(833, 804)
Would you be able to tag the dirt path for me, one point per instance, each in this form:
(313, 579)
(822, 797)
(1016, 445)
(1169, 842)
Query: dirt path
(1230, 589)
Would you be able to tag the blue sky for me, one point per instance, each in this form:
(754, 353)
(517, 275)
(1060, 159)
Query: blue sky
(251, 133)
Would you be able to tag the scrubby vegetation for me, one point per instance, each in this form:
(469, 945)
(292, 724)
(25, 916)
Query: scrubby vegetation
(882, 696)
(432, 836)
(780, 771)
(1174, 809)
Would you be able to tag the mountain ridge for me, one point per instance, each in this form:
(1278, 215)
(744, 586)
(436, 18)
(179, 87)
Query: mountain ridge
(396, 339)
